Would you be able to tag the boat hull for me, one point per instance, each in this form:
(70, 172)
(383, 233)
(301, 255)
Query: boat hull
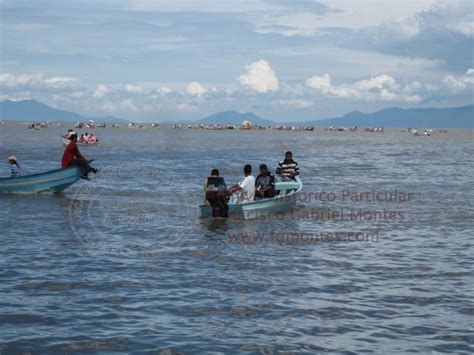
(289, 192)
(53, 181)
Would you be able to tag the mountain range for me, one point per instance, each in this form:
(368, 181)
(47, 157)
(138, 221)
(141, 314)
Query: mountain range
(234, 117)
(452, 117)
(32, 110)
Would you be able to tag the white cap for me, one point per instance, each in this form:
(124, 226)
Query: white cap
(12, 157)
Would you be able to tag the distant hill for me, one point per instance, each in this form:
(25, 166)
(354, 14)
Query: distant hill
(453, 117)
(32, 110)
(234, 117)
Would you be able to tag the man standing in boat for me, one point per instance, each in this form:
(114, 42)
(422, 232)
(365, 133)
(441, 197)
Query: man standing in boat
(72, 156)
(287, 169)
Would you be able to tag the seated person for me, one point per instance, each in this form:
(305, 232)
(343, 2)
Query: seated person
(72, 156)
(82, 139)
(216, 194)
(92, 139)
(265, 183)
(288, 168)
(246, 187)
(15, 168)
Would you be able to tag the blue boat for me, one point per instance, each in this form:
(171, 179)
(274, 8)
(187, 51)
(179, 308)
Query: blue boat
(286, 199)
(53, 181)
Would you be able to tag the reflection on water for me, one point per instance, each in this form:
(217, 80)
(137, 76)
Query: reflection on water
(123, 262)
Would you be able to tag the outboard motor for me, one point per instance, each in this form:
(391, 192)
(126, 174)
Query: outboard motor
(217, 196)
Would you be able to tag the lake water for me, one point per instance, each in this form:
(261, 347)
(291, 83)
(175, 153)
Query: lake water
(123, 263)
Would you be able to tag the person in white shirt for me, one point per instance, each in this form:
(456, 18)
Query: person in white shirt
(246, 187)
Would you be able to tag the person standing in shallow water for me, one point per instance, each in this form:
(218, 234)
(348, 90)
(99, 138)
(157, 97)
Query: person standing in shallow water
(72, 156)
(15, 168)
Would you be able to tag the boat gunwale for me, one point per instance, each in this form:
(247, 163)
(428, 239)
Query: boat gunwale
(25, 177)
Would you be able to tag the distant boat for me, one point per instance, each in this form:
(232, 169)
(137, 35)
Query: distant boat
(80, 144)
(289, 191)
(247, 125)
(53, 181)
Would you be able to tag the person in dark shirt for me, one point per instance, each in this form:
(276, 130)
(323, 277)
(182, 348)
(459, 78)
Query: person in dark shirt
(265, 183)
(217, 194)
(72, 156)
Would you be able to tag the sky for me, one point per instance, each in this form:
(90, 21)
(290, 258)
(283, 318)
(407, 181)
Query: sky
(286, 60)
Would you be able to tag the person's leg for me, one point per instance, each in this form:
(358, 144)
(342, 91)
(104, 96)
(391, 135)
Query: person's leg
(84, 165)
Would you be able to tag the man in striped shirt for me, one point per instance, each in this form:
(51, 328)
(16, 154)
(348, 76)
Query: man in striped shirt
(287, 169)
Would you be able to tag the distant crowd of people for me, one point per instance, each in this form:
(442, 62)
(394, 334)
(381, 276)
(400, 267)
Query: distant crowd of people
(250, 188)
(85, 138)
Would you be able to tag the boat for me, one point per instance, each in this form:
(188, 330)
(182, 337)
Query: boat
(80, 144)
(286, 199)
(246, 125)
(53, 181)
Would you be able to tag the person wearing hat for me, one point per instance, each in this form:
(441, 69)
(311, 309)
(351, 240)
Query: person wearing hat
(15, 172)
(72, 156)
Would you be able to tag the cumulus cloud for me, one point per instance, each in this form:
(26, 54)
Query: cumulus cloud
(294, 103)
(195, 89)
(378, 88)
(133, 88)
(129, 104)
(108, 106)
(259, 77)
(164, 90)
(322, 83)
(78, 94)
(464, 27)
(36, 80)
(186, 107)
(458, 83)
(100, 91)
(61, 81)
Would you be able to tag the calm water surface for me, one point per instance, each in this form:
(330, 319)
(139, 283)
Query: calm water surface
(123, 262)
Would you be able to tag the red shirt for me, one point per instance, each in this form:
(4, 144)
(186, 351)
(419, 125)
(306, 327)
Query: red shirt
(71, 152)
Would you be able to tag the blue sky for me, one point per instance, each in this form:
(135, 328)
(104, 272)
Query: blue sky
(281, 59)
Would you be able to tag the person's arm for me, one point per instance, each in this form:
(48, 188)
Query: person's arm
(278, 170)
(235, 188)
(297, 169)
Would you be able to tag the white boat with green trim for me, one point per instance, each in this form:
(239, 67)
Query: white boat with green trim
(287, 197)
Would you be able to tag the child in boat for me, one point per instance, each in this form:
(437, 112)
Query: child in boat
(15, 168)
(92, 139)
